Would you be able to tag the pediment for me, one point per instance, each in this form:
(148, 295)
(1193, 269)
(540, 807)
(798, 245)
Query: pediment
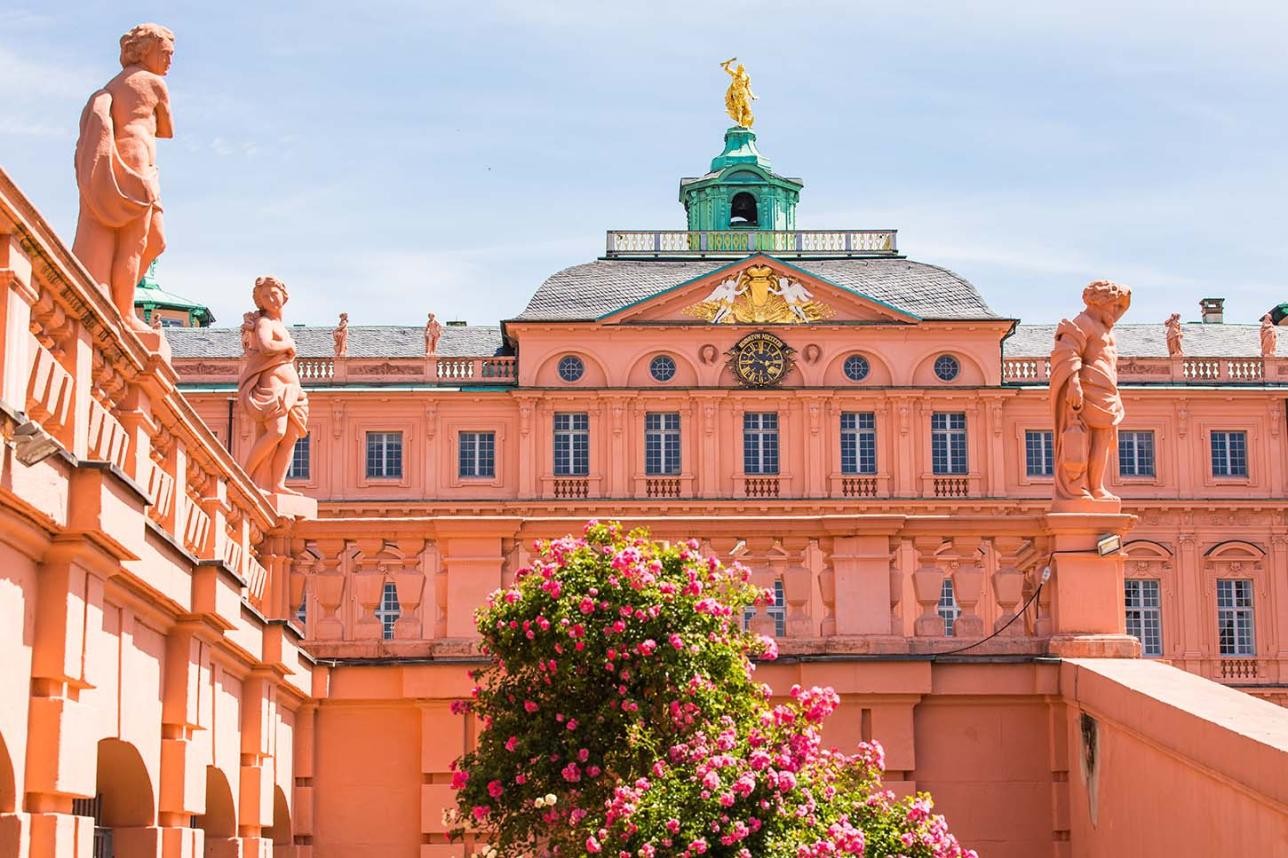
(759, 290)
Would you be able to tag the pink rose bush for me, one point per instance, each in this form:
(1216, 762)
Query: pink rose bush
(619, 717)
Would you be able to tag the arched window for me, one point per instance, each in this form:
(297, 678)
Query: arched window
(742, 210)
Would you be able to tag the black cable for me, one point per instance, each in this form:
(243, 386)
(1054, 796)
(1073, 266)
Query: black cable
(1046, 575)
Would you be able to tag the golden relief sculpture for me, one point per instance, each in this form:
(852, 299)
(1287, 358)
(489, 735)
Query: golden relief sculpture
(759, 295)
(739, 96)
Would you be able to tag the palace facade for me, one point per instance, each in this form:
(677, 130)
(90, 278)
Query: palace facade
(192, 669)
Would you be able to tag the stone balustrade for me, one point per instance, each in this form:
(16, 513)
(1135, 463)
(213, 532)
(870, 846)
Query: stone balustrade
(79, 387)
(740, 242)
(317, 371)
(1178, 370)
(856, 584)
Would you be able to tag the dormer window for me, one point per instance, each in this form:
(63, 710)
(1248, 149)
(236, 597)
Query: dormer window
(742, 211)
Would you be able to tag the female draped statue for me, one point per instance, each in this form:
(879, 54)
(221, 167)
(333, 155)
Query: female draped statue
(1085, 401)
(739, 96)
(269, 390)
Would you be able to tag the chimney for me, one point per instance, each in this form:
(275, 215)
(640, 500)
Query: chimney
(1213, 310)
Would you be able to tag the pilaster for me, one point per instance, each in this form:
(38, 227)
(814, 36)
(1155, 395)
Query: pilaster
(1087, 600)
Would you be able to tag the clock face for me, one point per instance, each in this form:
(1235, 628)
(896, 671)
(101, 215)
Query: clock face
(760, 360)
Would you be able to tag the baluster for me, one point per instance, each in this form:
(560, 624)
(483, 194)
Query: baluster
(927, 583)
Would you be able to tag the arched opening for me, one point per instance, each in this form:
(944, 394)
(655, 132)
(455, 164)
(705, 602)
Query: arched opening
(280, 831)
(220, 819)
(8, 786)
(124, 787)
(742, 210)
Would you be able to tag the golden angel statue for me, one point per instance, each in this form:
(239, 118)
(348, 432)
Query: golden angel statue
(739, 96)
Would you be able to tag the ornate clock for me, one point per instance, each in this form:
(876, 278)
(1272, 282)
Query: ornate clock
(760, 360)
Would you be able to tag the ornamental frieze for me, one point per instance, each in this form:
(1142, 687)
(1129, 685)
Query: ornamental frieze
(760, 295)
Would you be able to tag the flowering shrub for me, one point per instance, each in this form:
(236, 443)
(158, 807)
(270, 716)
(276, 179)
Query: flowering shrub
(619, 717)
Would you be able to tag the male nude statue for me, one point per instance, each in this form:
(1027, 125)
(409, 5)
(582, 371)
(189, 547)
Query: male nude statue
(119, 231)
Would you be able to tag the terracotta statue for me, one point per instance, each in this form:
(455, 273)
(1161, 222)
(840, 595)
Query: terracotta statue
(341, 336)
(156, 321)
(1269, 336)
(738, 97)
(119, 231)
(1174, 335)
(269, 390)
(433, 330)
(1085, 401)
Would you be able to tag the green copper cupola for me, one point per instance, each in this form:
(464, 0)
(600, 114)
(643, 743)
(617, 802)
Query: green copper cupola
(741, 191)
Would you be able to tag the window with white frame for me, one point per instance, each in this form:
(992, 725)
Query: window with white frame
(477, 455)
(948, 608)
(299, 469)
(572, 444)
(661, 443)
(1234, 617)
(777, 612)
(384, 455)
(948, 442)
(858, 442)
(1039, 451)
(1229, 454)
(760, 442)
(1136, 453)
(389, 610)
(1144, 614)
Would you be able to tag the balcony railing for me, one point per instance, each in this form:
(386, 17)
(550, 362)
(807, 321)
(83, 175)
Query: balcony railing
(1178, 370)
(447, 371)
(650, 244)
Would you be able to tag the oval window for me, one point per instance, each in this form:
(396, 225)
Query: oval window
(947, 367)
(857, 367)
(571, 368)
(662, 368)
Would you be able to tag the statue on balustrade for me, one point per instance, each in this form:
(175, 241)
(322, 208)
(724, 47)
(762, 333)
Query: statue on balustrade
(738, 97)
(433, 330)
(268, 389)
(119, 231)
(1269, 336)
(1085, 400)
(1174, 335)
(341, 336)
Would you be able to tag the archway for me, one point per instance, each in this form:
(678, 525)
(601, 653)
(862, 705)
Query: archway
(742, 210)
(124, 805)
(219, 822)
(280, 831)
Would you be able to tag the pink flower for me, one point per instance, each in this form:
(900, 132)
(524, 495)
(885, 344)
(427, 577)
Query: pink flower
(530, 706)
(675, 640)
(512, 743)
(460, 778)
(495, 789)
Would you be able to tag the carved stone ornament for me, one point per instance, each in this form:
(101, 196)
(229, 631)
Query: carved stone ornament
(1085, 401)
(759, 295)
(119, 231)
(268, 389)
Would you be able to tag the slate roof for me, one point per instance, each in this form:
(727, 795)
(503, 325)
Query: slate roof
(589, 291)
(364, 341)
(1199, 340)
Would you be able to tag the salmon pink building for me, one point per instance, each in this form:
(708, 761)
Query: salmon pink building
(191, 668)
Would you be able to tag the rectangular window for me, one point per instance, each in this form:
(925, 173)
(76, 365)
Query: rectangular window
(760, 442)
(1234, 616)
(947, 607)
(1229, 454)
(1136, 454)
(389, 610)
(948, 442)
(299, 469)
(858, 442)
(1039, 450)
(302, 612)
(384, 455)
(572, 444)
(477, 454)
(661, 443)
(1144, 615)
(777, 611)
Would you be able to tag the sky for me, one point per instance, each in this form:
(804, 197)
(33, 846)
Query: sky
(389, 157)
